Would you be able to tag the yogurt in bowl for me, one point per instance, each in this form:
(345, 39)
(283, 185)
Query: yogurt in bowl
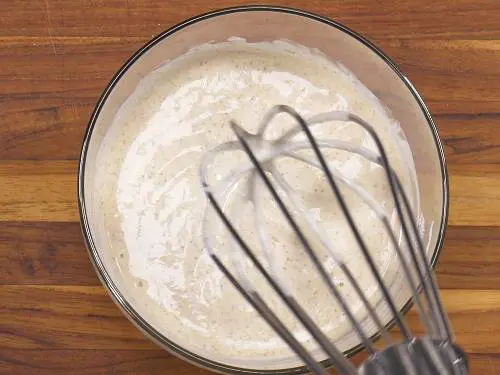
(142, 203)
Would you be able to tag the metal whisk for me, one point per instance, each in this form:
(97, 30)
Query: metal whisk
(433, 353)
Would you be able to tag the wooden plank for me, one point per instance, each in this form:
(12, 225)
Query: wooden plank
(64, 317)
(46, 191)
(37, 132)
(57, 133)
(487, 364)
(147, 362)
(43, 130)
(43, 253)
(454, 77)
(86, 362)
(52, 253)
(403, 18)
(71, 317)
(46, 106)
(474, 195)
(470, 258)
(470, 139)
(41, 133)
(474, 317)
(38, 191)
(469, 55)
(138, 362)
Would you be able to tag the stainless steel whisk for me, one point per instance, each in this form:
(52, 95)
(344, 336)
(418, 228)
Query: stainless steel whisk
(432, 354)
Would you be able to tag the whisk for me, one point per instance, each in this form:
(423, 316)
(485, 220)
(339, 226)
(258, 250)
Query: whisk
(433, 353)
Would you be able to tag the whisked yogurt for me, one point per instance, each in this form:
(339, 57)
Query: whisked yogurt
(151, 201)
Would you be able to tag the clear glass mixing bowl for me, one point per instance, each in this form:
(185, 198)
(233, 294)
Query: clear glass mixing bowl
(259, 23)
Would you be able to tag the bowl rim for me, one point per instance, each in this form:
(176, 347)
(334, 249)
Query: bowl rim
(98, 264)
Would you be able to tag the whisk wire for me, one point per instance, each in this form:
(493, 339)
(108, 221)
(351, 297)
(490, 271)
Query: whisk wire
(434, 354)
(258, 303)
(327, 244)
(331, 181)
(383, 161)
(303, 240)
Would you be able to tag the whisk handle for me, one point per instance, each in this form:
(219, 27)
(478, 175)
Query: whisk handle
(421, 357)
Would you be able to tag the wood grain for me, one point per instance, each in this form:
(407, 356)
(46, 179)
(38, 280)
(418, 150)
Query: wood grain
(51, 253)
(137, 362)
(474, 193)
(58, 93)
(470, 258)
(30, 193)
(87, 362)
(470, 139)
(70, 317)
(44, 253)
(48, 317)
(393, 20)
(38, 191)
(56, 57)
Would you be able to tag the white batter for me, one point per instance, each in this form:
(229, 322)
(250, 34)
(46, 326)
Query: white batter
(152, 203)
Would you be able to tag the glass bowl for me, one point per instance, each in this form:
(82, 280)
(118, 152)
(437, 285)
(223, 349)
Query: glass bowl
(264, 23)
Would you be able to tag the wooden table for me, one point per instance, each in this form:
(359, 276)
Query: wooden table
(56, 56)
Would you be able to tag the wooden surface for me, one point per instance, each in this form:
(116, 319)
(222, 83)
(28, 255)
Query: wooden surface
(57, 56)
